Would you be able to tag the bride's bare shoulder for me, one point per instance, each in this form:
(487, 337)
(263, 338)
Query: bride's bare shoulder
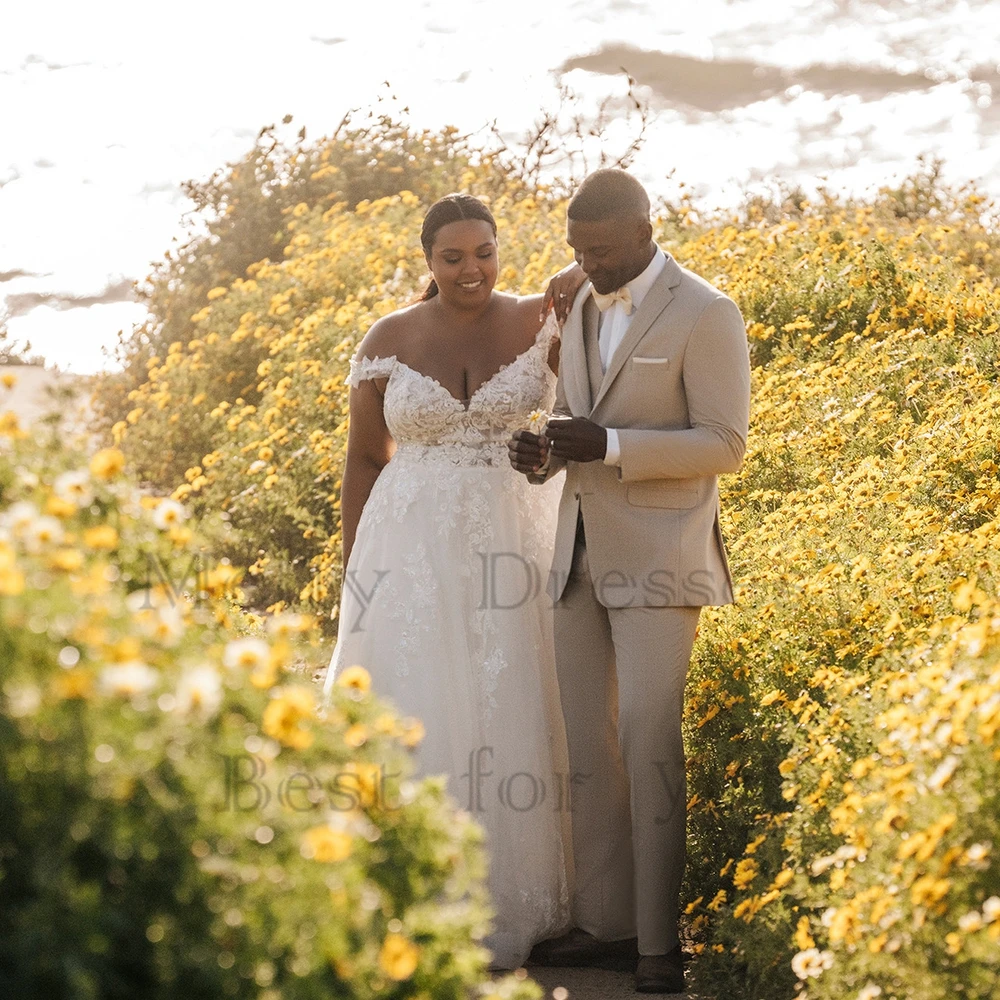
(385, 335)
(525, 311)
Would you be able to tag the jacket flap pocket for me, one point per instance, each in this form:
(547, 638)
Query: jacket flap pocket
(651, 362)
(660, 494)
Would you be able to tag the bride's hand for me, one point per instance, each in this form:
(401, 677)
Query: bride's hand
(562, 290)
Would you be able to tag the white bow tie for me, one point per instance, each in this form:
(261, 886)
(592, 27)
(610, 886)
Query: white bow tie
(605, 302)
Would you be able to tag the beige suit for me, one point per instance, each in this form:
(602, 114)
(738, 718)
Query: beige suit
(638, 552)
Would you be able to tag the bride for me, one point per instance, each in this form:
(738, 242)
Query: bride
(446, 549)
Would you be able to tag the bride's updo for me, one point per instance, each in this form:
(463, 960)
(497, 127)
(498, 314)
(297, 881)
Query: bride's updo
(450, 208)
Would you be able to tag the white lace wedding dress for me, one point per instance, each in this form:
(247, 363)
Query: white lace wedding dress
(446, 608)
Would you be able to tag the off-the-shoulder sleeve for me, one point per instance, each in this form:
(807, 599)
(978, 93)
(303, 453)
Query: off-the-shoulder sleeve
(362, 368)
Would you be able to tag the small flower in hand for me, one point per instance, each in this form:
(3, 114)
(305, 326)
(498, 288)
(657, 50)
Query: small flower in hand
(538, 421)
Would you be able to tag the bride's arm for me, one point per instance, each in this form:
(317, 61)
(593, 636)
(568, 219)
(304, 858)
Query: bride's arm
(369, 448)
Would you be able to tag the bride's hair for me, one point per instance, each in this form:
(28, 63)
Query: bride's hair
(450, 208)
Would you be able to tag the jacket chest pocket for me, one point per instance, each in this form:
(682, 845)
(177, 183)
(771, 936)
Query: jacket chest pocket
(649, 366)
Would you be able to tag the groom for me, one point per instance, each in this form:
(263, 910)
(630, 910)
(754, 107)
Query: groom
(652, 404)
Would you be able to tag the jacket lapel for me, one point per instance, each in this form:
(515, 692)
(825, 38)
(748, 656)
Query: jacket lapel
(573, 356)
(592, 345)
(657, 299)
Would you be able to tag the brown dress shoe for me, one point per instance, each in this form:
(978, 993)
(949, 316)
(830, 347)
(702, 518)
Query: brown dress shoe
(579, 949)
(660, 973)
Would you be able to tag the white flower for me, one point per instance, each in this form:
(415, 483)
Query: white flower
(164, 623)
(820, 865)
(18, 516)
(943, 774)
(991, 909)
(287, 623)
(22, 699)
(811, 963)
(74, 486)
(200, 689)
(870, 992)
(249, 653)
(257, 466)
(970, 922)
(168, 512)
(976, 853)
(537, 422)
(43, 531)
(132, 678)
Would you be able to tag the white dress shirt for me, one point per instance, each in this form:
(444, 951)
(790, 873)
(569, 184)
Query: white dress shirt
(611, 329)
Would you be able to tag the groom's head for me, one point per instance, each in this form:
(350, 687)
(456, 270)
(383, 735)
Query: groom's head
(609, 230)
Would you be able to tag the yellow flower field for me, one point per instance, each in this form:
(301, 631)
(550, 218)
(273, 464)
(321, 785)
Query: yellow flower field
(843, 716)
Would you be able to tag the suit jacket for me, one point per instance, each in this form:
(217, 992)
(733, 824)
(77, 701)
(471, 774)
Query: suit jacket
(677, 389)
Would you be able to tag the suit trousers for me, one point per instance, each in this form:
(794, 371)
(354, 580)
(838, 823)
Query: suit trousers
(621, 678)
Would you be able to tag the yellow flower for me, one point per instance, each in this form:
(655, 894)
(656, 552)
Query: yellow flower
(356, 735)
(11, 578)
(782, 878)
(67, 560)
(10, 426)
(746, 872)
(60, 507)
(385, 724)
(9, 379)
(718, 901)
(75, 683)
(286, 714)
(358, 785)
(326, 844)
(356, 678)
(101, 536)
(11, 582)
(412, 732)
(107, 463)
(803, 939)
(220, 580)
(398, 957)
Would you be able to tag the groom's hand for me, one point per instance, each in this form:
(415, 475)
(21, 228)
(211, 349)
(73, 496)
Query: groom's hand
(577, 439)
(527, 451)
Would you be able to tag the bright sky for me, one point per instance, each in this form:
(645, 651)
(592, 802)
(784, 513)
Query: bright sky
(106, 107)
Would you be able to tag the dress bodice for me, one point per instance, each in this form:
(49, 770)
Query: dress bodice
(424, 418)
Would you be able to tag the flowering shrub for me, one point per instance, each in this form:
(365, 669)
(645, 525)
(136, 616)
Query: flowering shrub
(843, 812)
(180, 816)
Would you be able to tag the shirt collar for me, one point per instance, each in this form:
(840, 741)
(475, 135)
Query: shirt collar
(644, 281)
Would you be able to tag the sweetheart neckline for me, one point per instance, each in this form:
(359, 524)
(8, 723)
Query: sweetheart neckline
(466, 404)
